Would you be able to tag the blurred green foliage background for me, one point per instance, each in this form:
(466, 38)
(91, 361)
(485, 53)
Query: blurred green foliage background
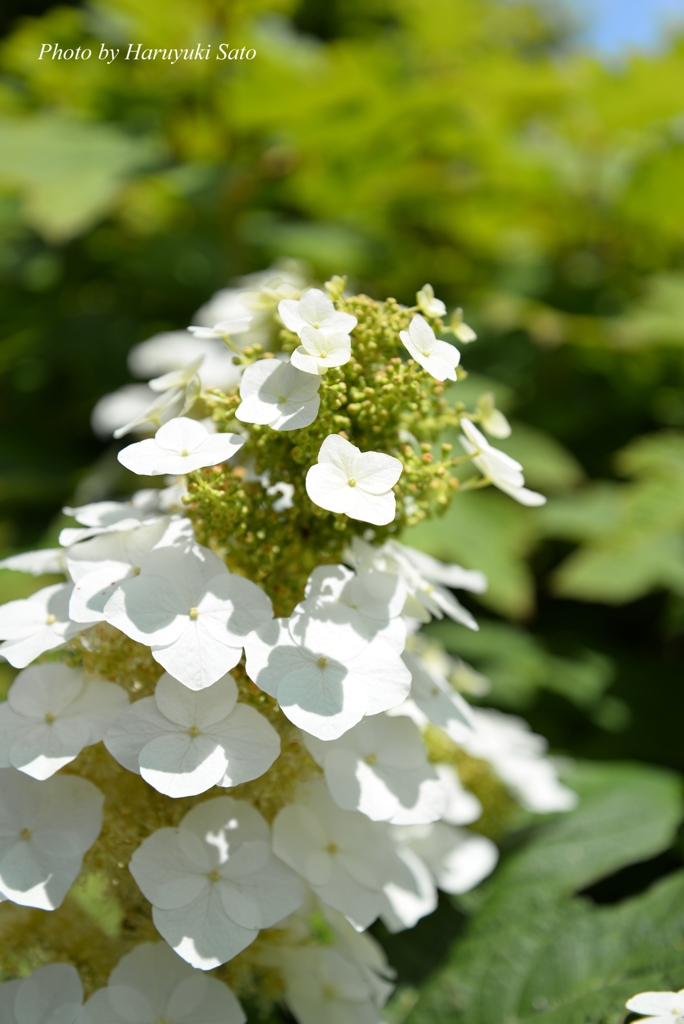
(460, 142)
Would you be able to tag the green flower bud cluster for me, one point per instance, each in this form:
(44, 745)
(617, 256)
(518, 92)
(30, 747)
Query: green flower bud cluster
(379, 402)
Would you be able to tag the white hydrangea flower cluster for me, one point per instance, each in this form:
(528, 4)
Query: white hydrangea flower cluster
(316, 716)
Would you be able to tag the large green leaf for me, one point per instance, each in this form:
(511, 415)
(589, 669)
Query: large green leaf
(67, 172)
(535, 949)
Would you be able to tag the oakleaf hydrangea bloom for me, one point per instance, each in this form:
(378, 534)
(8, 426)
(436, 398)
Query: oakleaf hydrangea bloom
(491, 418)
(379, 768)
(191, 611)
(439, 358)
(298, 441)
(36, 624)
(278, 394)
(183, 742)
(51, 713)
(659, 1007)
(320, 350)
(151, 985)
(459, 329)
(180, 446)
(324, 675)
(348, 861)
(316, 310)
(503, 471)
(358, 484)
(45, 829)
(51, 995)
(213, 882)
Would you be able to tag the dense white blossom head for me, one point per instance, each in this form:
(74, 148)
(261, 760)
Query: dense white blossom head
(36, 624)
(316, 310)
(349, 861)
(459, 860)
(503, 471)
(213, 882)
(658, 1007)
(380, 768)
(358, 484)
(51, 995)
(320, 350)
(45, 829)
(183, 742)
(323, 673)
(51, 713)
(180, 446)
(439, 358)
(276, 393)
(151, 985)
(191, 611)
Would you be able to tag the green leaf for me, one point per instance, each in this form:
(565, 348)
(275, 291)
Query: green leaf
(534, 952)
(68, 172)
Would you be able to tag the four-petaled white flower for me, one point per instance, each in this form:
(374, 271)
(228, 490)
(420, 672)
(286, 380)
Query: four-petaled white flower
(422, 576)
(503, 471)
(191, 611)
(658, 1007)
(98, 565)
(427, 303)
(183, 742)
(320, 350)
(372, 602)
(151, 985)
(434, 700)
(316, 310)
(51, 995)
(278, 394)
(108, 517)
(358, 484)
(349, 861)
(52, 712)
(460, 329)
(492, 419)
(439, 358)
(213, 882)
(180, 446)
(37, 563)
(325, 675)
(36, 624)
(224, 328)
(322, 987)
(461, 807)
(458, 859)
(45, 829)
(381, 769)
